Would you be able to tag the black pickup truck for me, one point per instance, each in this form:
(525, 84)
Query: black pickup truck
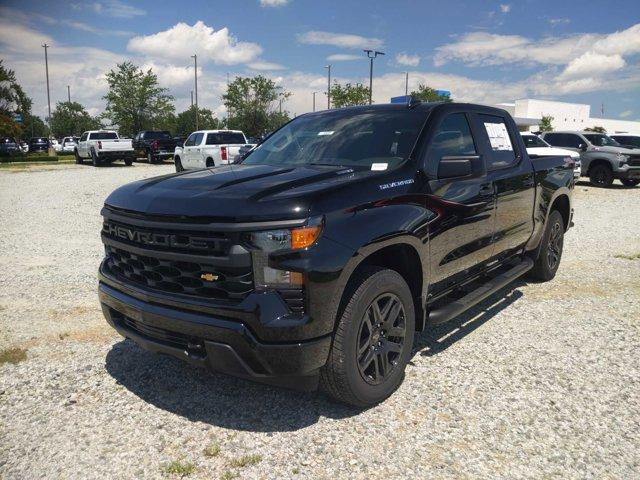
(316, 259)
(155, 145)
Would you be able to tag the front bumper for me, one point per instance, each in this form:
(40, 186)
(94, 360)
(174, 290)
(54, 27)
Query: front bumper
(629, 172)
(214, 342)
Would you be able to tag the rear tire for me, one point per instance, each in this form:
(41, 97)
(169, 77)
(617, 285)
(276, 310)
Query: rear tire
(601, 176)
(179, 167)
(630, 182)
(150, 158)
(78, 157)
(128, 162)
(94, 158)
(373, 339)
(550, 253)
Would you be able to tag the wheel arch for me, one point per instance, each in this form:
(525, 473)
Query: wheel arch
(563, 205)
(599, 161)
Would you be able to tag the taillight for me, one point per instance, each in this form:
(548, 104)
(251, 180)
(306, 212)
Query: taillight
(223, 153)
(99, 145)
(154, 145)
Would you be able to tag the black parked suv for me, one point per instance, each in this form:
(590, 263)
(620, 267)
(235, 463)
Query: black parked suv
(39, 144)
(154, 145)
(9, 146)
(317, 258)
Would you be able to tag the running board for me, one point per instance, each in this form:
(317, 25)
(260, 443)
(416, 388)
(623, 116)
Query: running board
(455, 308)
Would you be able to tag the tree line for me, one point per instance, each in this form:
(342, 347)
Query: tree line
(135, 101)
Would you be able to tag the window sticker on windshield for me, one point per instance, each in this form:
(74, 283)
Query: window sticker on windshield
(498, 136)
(379, 166)
(325, 133)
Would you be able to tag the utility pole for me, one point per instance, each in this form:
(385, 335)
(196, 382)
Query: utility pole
(191, 98)
(69, 93)
(328, 67)
(406, 84)
(46, 67)
(371, 54)
(195, 71)
(228, 109)
(314, 101)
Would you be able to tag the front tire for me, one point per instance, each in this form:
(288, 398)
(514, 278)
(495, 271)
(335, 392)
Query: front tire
(78, 157)
(150, 158)
(601, 176)
(373, 339)
(550, 253)
(94, 158)
(179, 167)
(630, 182)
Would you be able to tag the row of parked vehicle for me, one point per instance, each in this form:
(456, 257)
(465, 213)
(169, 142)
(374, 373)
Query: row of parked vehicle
(600, 157)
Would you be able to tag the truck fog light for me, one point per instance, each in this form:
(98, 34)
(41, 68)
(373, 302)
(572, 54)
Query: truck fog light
(277, 278)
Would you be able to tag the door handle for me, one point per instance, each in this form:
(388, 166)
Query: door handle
(487, 189)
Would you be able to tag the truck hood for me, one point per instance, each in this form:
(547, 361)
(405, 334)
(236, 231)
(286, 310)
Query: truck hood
(236, 193)
(623, 150)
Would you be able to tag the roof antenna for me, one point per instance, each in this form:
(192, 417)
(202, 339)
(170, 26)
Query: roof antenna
(412, 102)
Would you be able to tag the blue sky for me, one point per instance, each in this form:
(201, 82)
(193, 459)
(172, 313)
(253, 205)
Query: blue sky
(587, 52)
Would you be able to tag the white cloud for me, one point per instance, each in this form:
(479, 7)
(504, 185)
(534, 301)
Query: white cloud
(273, 3)
(558, 21)
(407, 60)
(98, 31)
(592, 64)
(505, 8)
(343, 40)
(344, 57)
(262, 65)
(182, 40)
(626, 114)
(113, 8)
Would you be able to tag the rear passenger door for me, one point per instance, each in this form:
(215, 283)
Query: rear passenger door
(510, 173)
(460, 236)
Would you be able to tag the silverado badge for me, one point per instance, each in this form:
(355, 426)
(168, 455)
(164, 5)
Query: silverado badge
(209, 277)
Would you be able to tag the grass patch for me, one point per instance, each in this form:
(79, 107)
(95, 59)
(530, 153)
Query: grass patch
(633, 256)
(180, 468)
(246, 460)
(212, 450)
(229, 475)
(13, 355)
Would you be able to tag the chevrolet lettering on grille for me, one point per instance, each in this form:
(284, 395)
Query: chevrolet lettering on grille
(160, 239)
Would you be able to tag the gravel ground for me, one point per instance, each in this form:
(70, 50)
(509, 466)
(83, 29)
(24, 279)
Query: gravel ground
(539, 381)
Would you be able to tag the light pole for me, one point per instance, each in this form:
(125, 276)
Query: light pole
(191, 98)
(195, 71)
(314, 101)
(371, 54)
(328, 67)
(406, 84)
(69, 93)
(46, 67)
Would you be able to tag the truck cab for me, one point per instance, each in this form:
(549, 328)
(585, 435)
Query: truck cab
(315, 260)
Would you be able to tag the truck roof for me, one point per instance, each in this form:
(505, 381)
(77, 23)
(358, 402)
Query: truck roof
(219, 131)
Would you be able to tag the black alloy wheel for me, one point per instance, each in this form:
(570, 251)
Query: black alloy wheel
(381, 338)
(601, 176)
(630, 182)
(554, 249)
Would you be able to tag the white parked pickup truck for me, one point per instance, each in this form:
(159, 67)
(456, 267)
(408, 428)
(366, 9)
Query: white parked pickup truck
(104, 146)
(537, 147)
(208, 148)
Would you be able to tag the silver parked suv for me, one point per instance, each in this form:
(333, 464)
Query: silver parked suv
(603, 159)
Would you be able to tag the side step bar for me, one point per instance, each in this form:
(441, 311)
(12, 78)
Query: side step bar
(455, 308)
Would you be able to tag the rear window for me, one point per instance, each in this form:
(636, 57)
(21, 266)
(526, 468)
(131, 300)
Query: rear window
(104, 136)
(531, 141)
(157, 135)
(8, 140)
(222, 138)
(39, 140)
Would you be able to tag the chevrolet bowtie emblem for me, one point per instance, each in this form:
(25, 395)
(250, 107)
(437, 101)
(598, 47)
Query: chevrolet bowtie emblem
(209, 277)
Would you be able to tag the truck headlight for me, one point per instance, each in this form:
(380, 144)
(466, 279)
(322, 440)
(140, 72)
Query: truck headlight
(274, 240)
(622, 158)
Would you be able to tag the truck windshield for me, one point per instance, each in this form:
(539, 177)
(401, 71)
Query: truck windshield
(223, 138)
(601, 140)
(531, 141)
(157, 135)
(104, 136)
(350, 138)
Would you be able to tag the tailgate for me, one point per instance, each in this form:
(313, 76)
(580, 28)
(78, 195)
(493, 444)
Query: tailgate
(122, 144)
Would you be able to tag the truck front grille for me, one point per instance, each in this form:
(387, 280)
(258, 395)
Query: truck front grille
(634, 161)
(199, 279)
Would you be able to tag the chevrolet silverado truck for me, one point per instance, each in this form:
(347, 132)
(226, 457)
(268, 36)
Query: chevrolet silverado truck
(103, 146)
(603, 159)
(154, 145)
(316, 260)
(208, 148)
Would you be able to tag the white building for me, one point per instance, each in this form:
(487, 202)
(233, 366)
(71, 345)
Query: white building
(566, 116)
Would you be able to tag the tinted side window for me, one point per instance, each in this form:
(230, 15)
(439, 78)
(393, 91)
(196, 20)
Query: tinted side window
(84, 137)
(191, 141)
(555, 139)
(573, 141)
(500, 144)
(453, 138)
(198, 138)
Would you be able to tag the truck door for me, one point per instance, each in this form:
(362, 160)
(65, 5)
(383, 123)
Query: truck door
(510, 171)
(189, 150)
(82, 145)
(463, 200)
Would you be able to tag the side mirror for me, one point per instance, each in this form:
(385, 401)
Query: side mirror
(582, 147)
(451, 167)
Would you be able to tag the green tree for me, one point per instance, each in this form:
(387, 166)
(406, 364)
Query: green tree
(71, 118)
(349, 94)
(185, 122)
(425, 93)
(596, 129)
(546, 123)
(13, 101)
(254, 105)
(34, 127)
(135, 100)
